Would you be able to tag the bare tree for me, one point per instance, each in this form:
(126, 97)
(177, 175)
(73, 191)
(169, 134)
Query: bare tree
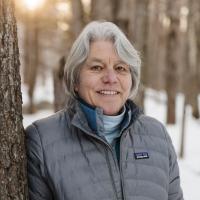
(33, 61)
(138, 34)
(30, 53)
(193, 53)
(172, 56)
(76, 24)
(103, 9)
(78, 18)
(60, 97)
(12, 148)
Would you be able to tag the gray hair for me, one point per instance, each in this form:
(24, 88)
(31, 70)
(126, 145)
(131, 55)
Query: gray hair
(98, 30)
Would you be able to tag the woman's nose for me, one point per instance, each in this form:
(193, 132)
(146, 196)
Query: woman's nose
(110, 76)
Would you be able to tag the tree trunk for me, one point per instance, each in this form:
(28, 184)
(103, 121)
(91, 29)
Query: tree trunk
(103, 10)
(34, 62)
(60, 97)
(194, 53)
(155, 47)
(78, 17)
(121, 14)
(138, 32)
(13, 184)
(171, 106)
(172, 57)
(183, 124)
(77, 23)
(27, 50)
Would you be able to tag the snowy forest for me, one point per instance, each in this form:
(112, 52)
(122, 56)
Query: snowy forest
(35, 38)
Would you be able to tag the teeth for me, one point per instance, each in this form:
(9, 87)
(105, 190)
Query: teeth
(107, 92)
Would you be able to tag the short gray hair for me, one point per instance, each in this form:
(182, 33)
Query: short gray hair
(100, 30)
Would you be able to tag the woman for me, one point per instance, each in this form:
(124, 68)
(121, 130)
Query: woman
(101, 146)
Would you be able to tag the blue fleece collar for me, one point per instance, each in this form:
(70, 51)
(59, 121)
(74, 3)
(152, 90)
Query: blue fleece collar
(94, 117)
(90, 114)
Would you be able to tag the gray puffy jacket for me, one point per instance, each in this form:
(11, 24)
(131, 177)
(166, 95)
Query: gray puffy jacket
(67, 161)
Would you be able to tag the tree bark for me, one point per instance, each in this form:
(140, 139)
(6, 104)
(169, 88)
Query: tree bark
(13, 184)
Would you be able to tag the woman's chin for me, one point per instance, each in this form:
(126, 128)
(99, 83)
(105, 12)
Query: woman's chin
(110, 111)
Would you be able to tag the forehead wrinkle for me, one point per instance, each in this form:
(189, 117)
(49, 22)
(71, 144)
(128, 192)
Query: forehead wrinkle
(99, 60)
(95, 59)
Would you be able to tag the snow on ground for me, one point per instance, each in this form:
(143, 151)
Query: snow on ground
(155, 106)
(189, 166)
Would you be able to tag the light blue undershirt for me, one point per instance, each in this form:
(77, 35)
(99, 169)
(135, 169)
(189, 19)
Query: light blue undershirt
(112, 126)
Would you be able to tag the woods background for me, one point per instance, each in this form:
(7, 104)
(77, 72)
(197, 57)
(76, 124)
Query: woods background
(165, 32)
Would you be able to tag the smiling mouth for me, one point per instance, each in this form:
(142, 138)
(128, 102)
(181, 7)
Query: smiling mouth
(108, 92)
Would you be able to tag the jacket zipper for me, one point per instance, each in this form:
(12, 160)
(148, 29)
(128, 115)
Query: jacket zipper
(108, 162)
(111, 174)
(120, 166)
(116, 163)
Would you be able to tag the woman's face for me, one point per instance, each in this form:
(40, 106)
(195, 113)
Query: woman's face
(105, 80)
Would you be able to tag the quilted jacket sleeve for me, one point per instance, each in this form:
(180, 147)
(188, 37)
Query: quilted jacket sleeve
(38, 185)
(175, 191)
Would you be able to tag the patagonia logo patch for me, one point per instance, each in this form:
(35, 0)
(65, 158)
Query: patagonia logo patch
(141, 155)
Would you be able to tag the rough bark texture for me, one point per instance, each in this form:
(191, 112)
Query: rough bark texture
(12, 147)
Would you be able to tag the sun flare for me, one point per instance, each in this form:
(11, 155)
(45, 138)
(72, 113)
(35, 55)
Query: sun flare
(33, 4)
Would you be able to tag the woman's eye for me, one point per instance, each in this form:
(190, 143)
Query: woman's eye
(96, 68)
(121, 68)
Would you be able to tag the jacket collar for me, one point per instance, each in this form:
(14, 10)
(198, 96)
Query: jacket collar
(90, 119)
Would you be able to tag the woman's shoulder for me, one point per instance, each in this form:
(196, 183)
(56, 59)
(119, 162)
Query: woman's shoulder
(152, 126)
(49, 127)
(50, 120)
(154, 133)
(150, 120)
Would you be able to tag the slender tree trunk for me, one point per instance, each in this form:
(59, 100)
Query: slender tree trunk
(77, 22)
(195, 9)
(171, 106)
(156, 45)
(27, 53)
(182, 144)
(60, 98)
(78, 17)
(122, 15)
(34, 63)
(191, 81)
(103, 9)
(12, 148)
(138, 32)
(172, 57)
